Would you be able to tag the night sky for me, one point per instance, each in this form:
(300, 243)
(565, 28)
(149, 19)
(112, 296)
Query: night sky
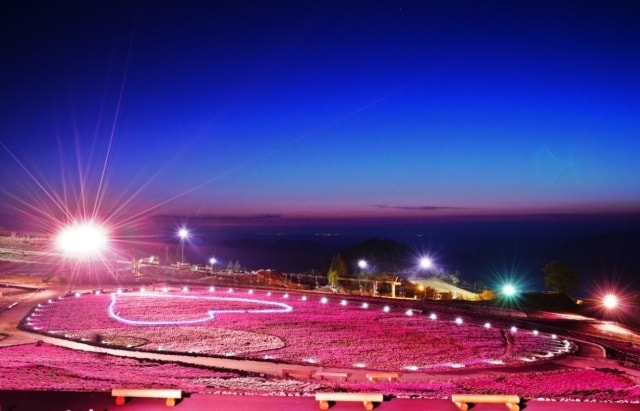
(313, 110)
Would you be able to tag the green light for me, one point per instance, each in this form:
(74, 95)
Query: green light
(509, 290)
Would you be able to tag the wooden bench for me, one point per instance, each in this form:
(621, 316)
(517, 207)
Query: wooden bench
(329, 375)
(389, 376)
(367, 398)
(170, 395)
(462, 401)
(302, 373)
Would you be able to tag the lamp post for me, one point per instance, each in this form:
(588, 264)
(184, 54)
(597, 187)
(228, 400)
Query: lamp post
(362, 265)
(423, 289)
(212, 261)
(183, 234)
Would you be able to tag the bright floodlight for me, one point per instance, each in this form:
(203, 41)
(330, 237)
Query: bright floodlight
(82, 240)
(610, 301)
(425, 262)
(212, 261)
(508, 290)
(362, 264)
(183, 233)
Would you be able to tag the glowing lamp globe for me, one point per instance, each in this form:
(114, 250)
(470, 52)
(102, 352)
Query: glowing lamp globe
(83, 240)
(362, 264)
(610, 301)
(509, 290)
(425, 262)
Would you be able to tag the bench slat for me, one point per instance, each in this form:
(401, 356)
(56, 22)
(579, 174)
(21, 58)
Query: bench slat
(305, 373)
(462, 400)
(485, 398)
(349, 396)
(322, 375)
(146, 393)
(367, 398)
(390, 376)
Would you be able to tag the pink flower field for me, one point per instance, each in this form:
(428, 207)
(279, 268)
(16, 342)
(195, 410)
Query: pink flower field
(47, 367)
(295, 328)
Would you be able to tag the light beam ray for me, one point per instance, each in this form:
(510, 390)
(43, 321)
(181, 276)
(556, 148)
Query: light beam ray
(100, 192)
(276, 149)
(36, 181)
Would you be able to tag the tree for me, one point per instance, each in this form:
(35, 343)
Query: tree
(337, 269)
(559, 277)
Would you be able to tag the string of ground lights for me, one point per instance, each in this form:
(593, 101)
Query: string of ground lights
(188, 321)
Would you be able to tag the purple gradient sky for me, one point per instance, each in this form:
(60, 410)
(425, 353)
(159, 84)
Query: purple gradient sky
(319, 109)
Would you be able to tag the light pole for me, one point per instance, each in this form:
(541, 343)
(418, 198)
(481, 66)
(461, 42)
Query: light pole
(362, 264)
(183, 234)
(212, 261)
(423, 289)
(509, 293)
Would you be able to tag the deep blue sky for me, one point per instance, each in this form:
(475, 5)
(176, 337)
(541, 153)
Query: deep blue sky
(319, 109)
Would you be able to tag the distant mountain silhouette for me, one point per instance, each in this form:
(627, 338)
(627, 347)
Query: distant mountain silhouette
(381, 255)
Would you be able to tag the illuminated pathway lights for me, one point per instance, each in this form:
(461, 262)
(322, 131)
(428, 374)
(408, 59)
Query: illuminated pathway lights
(209, 315)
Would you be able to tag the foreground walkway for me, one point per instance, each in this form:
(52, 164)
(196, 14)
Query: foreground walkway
(83, 401)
